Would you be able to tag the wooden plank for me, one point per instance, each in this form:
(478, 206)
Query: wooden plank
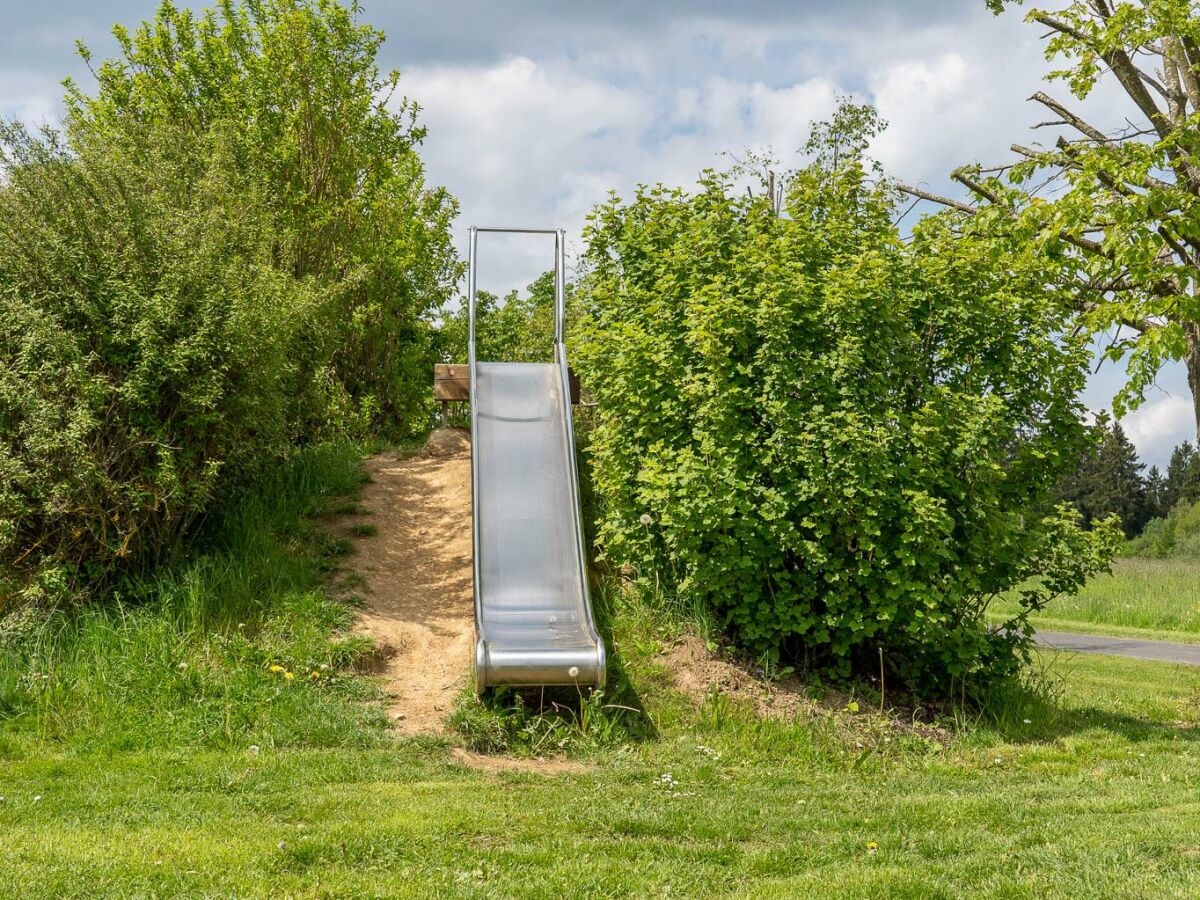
(452, 382)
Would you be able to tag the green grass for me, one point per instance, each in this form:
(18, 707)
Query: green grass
(238, 646)
(1096, 797)
(1156, 598)
(127, 774)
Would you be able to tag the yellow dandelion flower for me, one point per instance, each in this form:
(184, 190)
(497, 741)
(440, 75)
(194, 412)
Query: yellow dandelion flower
(872, 847)
(288, 676)
(315, 674)
(275, 669)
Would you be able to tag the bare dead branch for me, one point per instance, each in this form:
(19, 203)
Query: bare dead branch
(1029, 152)
(937, 198)
(995, 170)
(960, 175)
(1085, 244)
(1069, 117)
(1128, 74)
(1063, 28)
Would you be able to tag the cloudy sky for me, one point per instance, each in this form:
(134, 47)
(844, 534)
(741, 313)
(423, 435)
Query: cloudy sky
(537, 109)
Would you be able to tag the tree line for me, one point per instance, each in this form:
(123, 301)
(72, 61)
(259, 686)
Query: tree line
(1108, 479)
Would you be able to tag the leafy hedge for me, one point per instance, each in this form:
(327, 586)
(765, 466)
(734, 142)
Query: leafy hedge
(843, 443)
(519, 329)
(1176, 535)
(228, 251)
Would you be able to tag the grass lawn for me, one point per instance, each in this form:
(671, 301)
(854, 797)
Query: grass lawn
(1098, 795)
(161, 750)
(1155, 598)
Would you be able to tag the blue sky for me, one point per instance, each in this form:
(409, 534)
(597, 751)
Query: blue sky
(537, 108)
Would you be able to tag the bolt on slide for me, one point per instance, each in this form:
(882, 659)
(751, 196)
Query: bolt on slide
(533, 615)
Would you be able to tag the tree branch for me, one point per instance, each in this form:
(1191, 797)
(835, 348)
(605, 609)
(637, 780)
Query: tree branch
(1062, 27)
(937, 198)
(1122, 66)
(961, 177)
(1070, 118)
(1186, 65)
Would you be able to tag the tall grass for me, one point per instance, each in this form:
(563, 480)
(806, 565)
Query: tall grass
(238, 646)
(1157, 594)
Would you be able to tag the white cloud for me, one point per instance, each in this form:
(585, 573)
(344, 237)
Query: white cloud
(520, 144)
(1159, 425)
(30, 98)
(540, 144)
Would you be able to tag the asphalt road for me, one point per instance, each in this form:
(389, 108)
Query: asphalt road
(1162, 651)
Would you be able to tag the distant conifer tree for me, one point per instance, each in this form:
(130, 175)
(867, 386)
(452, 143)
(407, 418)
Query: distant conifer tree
(1109, 479)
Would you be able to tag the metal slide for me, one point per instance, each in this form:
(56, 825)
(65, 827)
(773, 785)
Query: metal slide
(533, 616)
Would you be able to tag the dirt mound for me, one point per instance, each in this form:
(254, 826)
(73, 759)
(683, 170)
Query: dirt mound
(446, 443)
(418, 575)
(700, 673)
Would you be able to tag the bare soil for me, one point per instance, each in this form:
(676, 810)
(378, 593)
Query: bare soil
(496, 764)
(699, 674)
(417, 569)
(417, 575)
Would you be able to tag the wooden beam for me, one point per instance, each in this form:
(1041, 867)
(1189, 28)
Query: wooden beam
(452, 383)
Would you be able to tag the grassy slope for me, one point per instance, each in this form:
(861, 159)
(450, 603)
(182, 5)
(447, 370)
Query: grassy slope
(203, 660)
(155, 784)
(1155, 598)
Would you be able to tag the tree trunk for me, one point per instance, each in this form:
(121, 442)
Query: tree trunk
(1192, 332)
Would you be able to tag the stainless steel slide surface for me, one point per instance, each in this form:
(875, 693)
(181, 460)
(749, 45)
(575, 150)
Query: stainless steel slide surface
(533, 617)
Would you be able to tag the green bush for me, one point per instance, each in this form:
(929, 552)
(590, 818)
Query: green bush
(843, 443)
(1175, 536)
(290, 92)
(229, 251)
(521, 329)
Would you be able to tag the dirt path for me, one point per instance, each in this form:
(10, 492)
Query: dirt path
(418, 577)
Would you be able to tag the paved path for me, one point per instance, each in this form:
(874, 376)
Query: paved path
(1162, 651)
